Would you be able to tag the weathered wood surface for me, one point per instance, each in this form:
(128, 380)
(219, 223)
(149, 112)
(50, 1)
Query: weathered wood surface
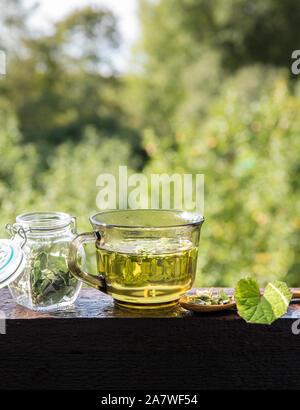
(98, 345)
(97, 305)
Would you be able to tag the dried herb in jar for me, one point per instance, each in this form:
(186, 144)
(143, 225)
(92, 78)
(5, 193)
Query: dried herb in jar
(50, 279)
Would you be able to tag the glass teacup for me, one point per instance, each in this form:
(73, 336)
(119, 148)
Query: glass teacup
(146, 258)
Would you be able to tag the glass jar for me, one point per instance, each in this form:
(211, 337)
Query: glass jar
(45, 282)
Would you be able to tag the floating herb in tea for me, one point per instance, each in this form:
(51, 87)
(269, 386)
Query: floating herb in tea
(155, 270)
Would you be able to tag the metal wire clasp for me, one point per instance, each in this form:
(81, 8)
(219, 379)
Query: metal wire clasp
(14, 230)
(74, 229)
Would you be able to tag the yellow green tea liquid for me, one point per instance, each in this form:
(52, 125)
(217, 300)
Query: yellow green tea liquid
(147, 273)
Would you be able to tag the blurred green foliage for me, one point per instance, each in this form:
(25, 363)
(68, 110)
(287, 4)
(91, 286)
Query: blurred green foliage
(248, 148)
(211, 93)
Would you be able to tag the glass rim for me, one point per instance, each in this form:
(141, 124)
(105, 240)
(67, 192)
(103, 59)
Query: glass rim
(199, 219)
(44, 220)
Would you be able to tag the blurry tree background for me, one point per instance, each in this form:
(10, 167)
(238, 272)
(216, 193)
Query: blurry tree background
(211, 92)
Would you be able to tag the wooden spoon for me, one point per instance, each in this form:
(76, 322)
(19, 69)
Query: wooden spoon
(214, 308)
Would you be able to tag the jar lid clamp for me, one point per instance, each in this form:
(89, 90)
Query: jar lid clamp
(12, 258)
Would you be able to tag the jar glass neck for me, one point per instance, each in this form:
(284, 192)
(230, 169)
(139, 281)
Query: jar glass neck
(44, 223)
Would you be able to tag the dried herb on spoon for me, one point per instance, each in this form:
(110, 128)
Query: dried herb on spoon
(208, 297)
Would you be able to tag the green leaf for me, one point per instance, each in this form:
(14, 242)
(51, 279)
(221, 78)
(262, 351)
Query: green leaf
(256, 309)
(223, 295)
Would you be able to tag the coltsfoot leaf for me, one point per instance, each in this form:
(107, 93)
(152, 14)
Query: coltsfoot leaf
(255, 308)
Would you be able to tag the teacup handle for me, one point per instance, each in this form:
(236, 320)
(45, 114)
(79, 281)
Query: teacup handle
(80, 240)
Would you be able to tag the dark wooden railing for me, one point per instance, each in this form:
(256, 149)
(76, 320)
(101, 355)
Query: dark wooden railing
(97, 345)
